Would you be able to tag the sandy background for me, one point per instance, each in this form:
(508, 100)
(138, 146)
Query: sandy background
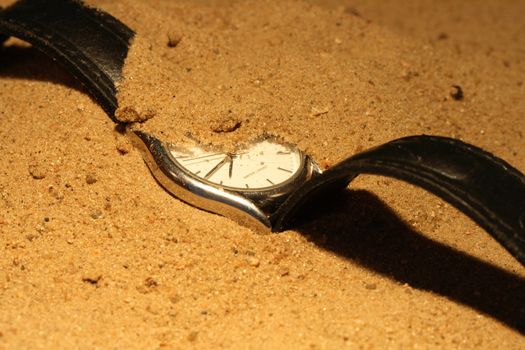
(96, 255)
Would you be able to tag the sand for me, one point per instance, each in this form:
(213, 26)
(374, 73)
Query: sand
(96, 255)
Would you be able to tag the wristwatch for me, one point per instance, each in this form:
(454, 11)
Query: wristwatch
(267, 184)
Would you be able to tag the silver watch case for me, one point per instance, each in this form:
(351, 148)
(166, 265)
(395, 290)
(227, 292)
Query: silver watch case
(251, 208)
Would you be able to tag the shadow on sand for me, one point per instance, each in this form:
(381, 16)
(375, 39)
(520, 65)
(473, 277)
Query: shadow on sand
(17, 62)
(358, 226)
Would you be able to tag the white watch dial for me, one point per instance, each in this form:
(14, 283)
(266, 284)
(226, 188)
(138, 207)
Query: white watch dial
(264, 165)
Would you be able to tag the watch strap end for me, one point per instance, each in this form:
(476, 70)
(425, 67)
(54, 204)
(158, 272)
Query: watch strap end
(91, 44)
(484, 187)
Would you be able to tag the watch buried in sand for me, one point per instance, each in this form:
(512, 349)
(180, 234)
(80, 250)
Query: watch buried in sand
(266, 184)
(249, 185)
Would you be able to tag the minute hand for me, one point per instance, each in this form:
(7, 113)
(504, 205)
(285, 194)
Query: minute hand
(217, 167)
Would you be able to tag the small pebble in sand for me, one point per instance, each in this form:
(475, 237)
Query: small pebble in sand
(174, 39)
(123, 147)
(442, 36)
(96, 214)
(226, 125)
(252, 261)
(317, 111)
(130, 114)
(456, 92)
(150, 282)
(91, 277)
(352, 11)
(284, 272)
(91, 179)
(37, 171)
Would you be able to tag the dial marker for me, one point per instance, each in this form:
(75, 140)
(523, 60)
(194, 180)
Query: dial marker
(283, 169)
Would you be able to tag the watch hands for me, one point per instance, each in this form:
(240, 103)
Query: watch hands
(206, 158)
(230, 170)
(217, 167)
(222, 158)
(202, 159)
(283, 169)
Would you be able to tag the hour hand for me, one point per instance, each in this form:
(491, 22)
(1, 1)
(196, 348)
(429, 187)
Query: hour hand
(217, 167)
(230, 169)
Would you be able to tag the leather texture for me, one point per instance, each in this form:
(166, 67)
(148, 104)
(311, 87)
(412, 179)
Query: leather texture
(3, 37)
(91, 44)
(484, 187)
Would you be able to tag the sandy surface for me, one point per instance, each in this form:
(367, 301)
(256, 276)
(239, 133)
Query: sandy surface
(96, 255)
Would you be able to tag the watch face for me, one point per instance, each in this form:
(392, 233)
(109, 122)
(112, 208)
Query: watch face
(264, 165)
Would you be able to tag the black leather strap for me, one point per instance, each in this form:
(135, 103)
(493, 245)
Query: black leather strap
(3, 37)
(91, 44)
(484, 187)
